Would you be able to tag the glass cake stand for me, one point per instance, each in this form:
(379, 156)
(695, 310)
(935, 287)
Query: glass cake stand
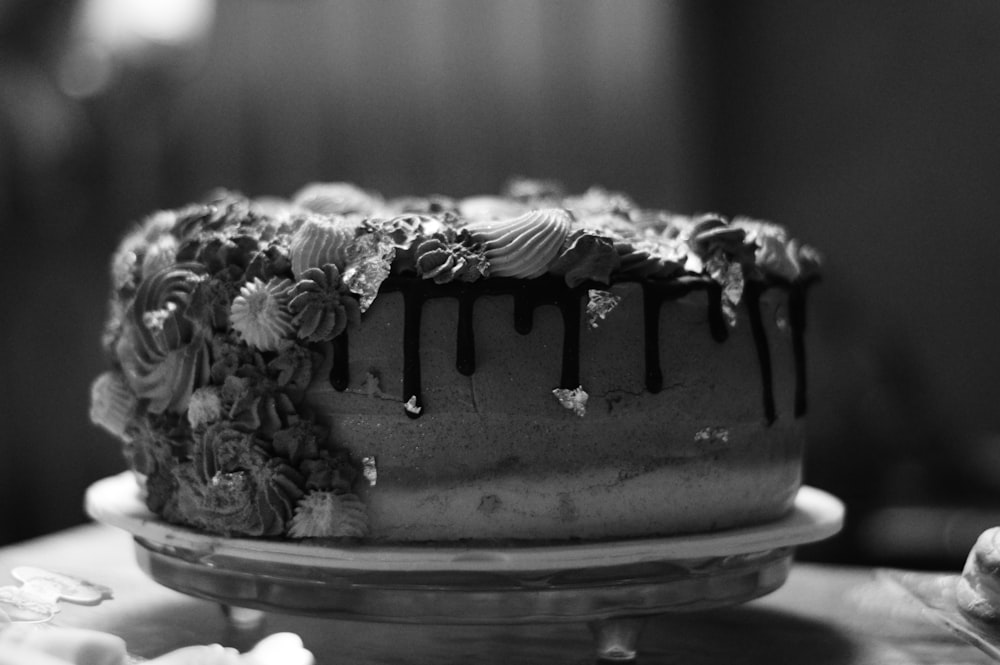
(611, 585)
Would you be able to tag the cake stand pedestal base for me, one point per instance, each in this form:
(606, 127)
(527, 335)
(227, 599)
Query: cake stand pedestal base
(611, 586)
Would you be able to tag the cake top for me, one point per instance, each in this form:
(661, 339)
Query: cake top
(278, 274)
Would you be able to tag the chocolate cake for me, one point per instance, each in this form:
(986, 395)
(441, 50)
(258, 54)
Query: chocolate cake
(526, 366)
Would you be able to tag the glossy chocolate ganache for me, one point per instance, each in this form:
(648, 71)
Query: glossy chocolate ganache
(531, 365)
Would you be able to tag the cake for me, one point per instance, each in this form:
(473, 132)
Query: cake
(526, 366)
(978, 589)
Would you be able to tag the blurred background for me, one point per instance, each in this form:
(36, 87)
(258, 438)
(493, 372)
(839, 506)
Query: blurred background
(871, 128)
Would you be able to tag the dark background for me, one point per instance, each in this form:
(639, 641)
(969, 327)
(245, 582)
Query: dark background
(871, 128)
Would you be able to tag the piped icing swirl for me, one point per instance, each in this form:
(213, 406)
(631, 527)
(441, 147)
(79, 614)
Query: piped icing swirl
(260, 314)
(321, 239)
(523, 246)
(163, 353)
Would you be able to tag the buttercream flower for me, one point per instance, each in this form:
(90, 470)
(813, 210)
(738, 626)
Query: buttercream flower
(272, 261)
(329, 472)
(321, 305)
(336, 198)
(711, 233)
(204, 407)
(292, 369)
(405, 233)
(230, 357)
(321, 239)
(160, 253)
(777, 254)
(112, 403)
(156, 318)
(260, 313)
(210, 302)
(445, 261)
(650, 258)
(222, 448)
(435, 204)
(223, 210)
(533, 190)
(253, 404)
(256, 498)
(329, 515)
(220, 252)
(299, 441)
(155, 445)
(600, 201)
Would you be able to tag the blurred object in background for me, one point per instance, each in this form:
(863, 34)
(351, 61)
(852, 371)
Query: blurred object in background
(85, 86)
(869, 128)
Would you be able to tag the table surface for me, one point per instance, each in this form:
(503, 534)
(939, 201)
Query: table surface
(823, 614)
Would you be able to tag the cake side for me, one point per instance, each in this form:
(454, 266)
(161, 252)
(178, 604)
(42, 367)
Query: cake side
(494, 455)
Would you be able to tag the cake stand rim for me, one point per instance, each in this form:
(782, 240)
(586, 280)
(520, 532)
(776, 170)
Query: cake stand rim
(116, 501)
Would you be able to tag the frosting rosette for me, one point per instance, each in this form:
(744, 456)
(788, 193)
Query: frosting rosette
(253, 404)
(405, 232)
(158, 324)
(600, 201)
(321, 239)
(650, 258)
(321, 305)
(163, 354)
(329, 515)
(234, 487)
(776, 253)
(489, 208)
(710, 234)
(336, 198)
(444, 260)
(524, 246)
(261, 315)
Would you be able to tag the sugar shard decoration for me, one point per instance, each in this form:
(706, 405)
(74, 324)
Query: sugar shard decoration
(575, 400)
(369, 470)
(599, 305)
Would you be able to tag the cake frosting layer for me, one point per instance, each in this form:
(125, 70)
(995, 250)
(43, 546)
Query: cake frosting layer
(493, 455)
(534, 365)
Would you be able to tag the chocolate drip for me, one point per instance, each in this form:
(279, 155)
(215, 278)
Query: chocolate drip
(413, 303)
(524, 312)
(651, 301)
(465, 345)
(797, 322)
(340, 374)
(716, 320)
(569, 305)
(529, 294)
(752, 296)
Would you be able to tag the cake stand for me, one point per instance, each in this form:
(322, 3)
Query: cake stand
(613, 586)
